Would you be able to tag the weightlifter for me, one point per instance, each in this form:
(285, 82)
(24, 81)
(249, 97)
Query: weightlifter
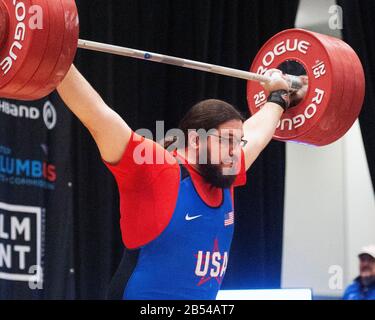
(177, 216)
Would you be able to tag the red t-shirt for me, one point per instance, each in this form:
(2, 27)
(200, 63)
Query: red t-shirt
(148, 191)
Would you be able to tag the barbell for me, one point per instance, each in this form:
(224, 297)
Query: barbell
(39, 40)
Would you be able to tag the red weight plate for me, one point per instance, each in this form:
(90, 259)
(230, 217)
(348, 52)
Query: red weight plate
(352, 102)
(32, 90)
(330, 122)
(69, 49)
(359, 92)
(24, 50)
(344, 114)
(349, 108)
(330, 126)
(9, 66)
(325, 81)
(360, 79)
(4, 20)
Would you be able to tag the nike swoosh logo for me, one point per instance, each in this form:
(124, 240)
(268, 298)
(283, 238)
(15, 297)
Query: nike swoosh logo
(188, 218)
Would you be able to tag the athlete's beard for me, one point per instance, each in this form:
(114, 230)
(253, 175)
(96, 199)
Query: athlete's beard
(213, 174)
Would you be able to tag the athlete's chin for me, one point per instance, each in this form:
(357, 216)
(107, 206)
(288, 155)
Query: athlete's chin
(223, 180)
(218, 175)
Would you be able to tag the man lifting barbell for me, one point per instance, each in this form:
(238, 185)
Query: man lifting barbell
(177, 215)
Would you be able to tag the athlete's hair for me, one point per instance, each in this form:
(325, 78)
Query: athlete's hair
(206, 115)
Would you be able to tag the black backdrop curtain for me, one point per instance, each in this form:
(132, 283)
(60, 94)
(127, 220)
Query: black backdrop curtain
(222, 32)
(359, 32)
(36, 200)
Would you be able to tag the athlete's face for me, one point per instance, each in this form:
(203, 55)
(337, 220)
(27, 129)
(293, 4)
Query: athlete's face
(223, 149)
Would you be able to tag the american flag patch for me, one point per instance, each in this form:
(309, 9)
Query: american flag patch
(229, 219)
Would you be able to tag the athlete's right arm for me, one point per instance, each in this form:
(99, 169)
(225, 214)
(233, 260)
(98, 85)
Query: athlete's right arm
(109, 130)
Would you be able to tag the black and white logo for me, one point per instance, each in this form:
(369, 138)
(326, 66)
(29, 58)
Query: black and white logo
(29, 112)
(49, 115)
(20, 242)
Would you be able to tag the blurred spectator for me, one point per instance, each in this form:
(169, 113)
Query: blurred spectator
(363, 287)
